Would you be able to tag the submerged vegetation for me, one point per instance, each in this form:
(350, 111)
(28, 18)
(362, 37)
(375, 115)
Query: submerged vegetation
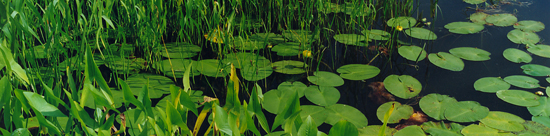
(255, 67)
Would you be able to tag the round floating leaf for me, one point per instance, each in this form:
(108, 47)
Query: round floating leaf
(471, 54)
(403, 86)
(318, 113)
(212, 68)
(372, 130)
(519, 97)
(521, 37)
(301, 36)
(466, 111)
(338, 112)
(358, 71)
(446, 61)
(464, 27)
(289, 67)
(293, 86)
(501, 19)
(434, 105)
(535, 70)
(350, 39)
(405, 22)
(478, 130)
(178, 50)
(287, 49)
(529, 26)
(503, 121)
(491, 84)
(543, 109)
(478, 18)
(376, 34)
(540, 50)
(442, 129)
(268, 37)
(412, 130)
(275, 101)
(325, 78)
(474, 1)
(123, 65)
(177, 65)
(247, 44)
(412, 53)
(252, 73)
(322, 95)
(241, 59)
(516, 55)
(522, 81)
(421, 33)
(399, 112)
(158, 85)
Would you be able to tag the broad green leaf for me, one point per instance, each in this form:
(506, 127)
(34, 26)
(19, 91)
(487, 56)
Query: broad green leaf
(275, 100)
(325, 78)
(478, 18)
(446, 61)
(289, 67)
(420, 33)
(516, 55)
(399, 112)
(545, 120)
(501, 19)
(474, 130)
(403, 86)
(240, 43)
(339, 112)
(241, 59)
(5, 91)
(503, 121)
(295, 86)
(212, 68)
(535, 70)
(441, 129)
(521, 37)
(376, 34)
(322, 95)
(522, 81)
(519, 97)
(40, 104)
(301, 36)
(343, 128)
(470, 53)
(491, 84)
(351, 39)
(20, 132)
(287, 49)
(434, 105)
(412, 53)
(158, 85)
(257, 108)
(308, 128)
(253, 73)
(466, 111)
(177, 66)
(412, 130)
(221, 119)
(318, 113)
(373, 130)
(358, 71)
(540, 50)
(128, 96)
(291, 108)
(474, 1)
(529, 26)
(464, 27)
(178, 50)
(186, 101)
(405, 22)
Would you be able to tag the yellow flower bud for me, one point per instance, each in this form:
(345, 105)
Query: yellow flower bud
(306, 53)
(399, 28)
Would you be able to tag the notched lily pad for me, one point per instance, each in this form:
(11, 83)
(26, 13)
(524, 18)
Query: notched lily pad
(403, 86)
(464, 27)
(287, 49)
(522, 81)
(470, 53)
(405, 22)
(543, 109)
(501, 19)
(351, 39)
(434, 105)
(358, 71)
(178, 50)
(520, 37)
(289, 67)
(158, 85)
(519, 97)
(540, 50)
(322, 95)
(536, 70)
(446, 61)
(338, 112)
(252, 73)
(376, 34)
(491, 84)
(466, 111)
(516, 55)
(529, 26)
(503, 121)
(420, 33)
(325, 78)
(399, 112)
(212, 68)
(478, 18)
(412, 53)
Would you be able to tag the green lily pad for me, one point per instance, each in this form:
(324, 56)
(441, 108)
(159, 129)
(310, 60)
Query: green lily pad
(420, 33)
(442, 129)
(540, 50)
(478, 18)
(478, 130)
(522, 81)
(529, 26)
(434, 105)
(318, 113)
(405, 22)
(544, 120)
(158, 85)
(241, 59)
(268, 37)
(212, 68)
(520, 37)
(474, 1)
(491, 84)
(446, 61)
(358, 71)
(241, 43)
(470, 53)
(399, 112)
(301, 36)
(289, 49)
(535, 70)
(125, 66)
(503, 121)
(372, 130)
(293, 86)
(376, 34)
(403, 86)
(516, 55)
(464, 27)
(275, 101)
(252, 73)
(178, 50)
(466, 111)
(543, 109)
(501, 19)
(519, 97)
(412, 130)
(548, 80)
(289, 67)
(325, 78)
(322, 95)
(177, 65)
(351, 39)
(338, 112)
(412, 53)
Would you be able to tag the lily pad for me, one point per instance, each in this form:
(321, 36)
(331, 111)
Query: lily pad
(399, 112)
(501, 19)
(358, 71)
(516, 55)
(522, 81)
(322, 95)
(519, 97)
(434, 105)
(479, 130)
(268, 37)
(287, 49)
(503, 121)
(289, 67)
(338, 112)
(442, 129)
(241, 59)
(301, 36)
(403, 86)
(535, 70)
(520, 37)
(466, 111)
(240, 43)
(405, 22)
(474, 1)
(412, 53)
(446, 61)
(252, 73)
(158, 85)
(325, 78)
(376, 34)
(464, 27)
(540, 50)
(212, 68)
(178, 50)
(478, 18)
(543, 109)
(293, 86)
(421, 33)
(529, 26)
(470, 53)
(275, 101)
(412, 130)
(177, 65)
(372, 130)
(318, 113)
(351, 39)
(123, 65)
(491, 84)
